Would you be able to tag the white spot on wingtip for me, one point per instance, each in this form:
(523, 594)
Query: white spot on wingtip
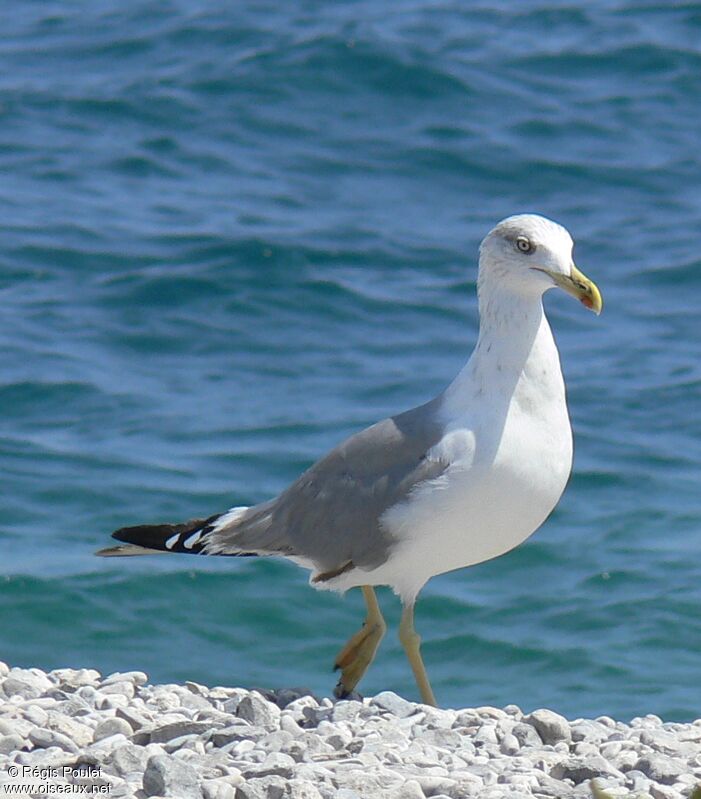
(172, 541)
(192, 539)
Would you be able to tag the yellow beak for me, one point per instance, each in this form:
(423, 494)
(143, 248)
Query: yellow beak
(579, 286)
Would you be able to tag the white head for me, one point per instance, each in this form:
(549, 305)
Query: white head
(529, 254)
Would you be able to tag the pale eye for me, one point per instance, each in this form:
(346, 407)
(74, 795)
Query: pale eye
(524, 244)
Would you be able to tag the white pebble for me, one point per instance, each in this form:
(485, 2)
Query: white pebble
(509, 744)
(111, 726)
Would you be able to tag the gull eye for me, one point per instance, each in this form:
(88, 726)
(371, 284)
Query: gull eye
(524, 244)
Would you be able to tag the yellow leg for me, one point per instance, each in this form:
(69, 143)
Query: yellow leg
(358, 653)
(412, 646)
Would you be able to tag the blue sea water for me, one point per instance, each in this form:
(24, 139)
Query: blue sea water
(233, 233)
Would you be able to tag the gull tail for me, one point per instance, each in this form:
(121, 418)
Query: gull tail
(240, 532)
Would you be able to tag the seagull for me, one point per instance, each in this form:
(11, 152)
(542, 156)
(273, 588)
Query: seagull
(460, 480)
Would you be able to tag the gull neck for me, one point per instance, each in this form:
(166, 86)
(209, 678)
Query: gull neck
(515, 342)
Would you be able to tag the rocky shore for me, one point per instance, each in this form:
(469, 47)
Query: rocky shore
(74, 731)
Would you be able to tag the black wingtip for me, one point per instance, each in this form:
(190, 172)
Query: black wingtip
(166, 537)
(152, 536)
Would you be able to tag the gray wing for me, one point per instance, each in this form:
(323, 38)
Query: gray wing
(331, 514)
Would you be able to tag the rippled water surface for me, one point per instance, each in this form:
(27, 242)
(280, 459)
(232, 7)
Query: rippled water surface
(231, 234)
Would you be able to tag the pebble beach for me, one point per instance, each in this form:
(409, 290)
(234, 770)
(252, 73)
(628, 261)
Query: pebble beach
(76, 731)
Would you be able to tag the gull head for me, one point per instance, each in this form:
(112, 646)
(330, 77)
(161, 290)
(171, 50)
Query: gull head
(530, 254)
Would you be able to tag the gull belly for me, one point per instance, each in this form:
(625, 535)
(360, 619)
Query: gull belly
(478, 510)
